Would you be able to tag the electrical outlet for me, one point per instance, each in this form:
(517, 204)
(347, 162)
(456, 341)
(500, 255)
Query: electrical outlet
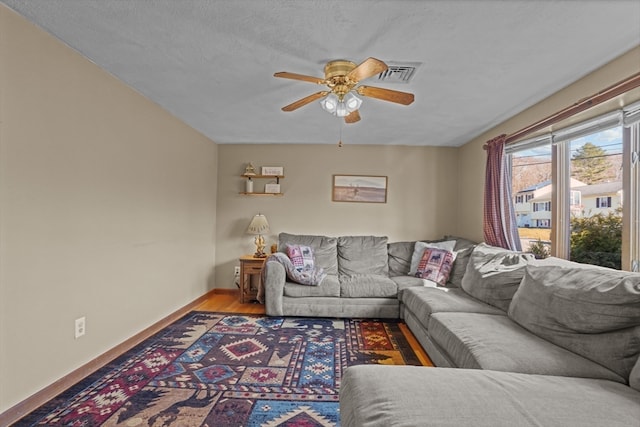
(80, 327)
(236, 270)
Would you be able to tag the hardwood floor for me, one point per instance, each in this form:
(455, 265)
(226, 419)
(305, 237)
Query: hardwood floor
(228, 301)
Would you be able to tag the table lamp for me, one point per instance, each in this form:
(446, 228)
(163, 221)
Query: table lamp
(258, 226)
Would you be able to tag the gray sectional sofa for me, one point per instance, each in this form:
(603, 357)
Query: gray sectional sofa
(365, 276)
(517, 341)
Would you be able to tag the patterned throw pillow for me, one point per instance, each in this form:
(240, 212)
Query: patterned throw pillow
(436, 265)
(418, 251)
(301, 257)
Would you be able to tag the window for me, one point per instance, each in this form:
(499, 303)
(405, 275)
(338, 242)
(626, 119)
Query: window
(603, 202)
(531, 171)
(575, 199)
(519, 199)
(595, 167)
(631, 205)
(542, 206)
(544, 223)
(590, 171)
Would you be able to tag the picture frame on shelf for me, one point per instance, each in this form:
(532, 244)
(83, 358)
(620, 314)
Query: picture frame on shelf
(272, 188)
(359, 188)
(272, 170)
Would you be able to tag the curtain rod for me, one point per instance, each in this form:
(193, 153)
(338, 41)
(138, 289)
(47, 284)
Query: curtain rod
(619, 88)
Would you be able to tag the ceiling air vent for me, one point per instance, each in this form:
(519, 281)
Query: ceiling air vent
(398, 72)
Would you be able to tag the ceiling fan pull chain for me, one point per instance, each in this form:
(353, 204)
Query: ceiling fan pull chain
(340, 139)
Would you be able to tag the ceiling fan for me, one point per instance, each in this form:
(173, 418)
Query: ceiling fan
(342, 78)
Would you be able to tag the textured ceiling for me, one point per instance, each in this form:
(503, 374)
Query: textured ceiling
(211, 63)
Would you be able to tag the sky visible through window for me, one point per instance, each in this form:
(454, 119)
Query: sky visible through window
(609, 140)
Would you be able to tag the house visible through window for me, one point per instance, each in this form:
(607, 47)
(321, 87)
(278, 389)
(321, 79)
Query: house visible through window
(531, 180)
(579, 208)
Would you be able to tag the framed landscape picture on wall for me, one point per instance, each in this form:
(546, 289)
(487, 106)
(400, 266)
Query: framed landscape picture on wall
(359, 188)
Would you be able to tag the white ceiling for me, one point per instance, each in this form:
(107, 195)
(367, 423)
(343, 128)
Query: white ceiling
(211, 62)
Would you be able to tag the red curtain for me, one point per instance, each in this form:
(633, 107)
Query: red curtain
(500, 227)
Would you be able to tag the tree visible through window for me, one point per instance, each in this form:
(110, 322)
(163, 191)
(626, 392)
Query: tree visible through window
(596, 223)
(590, 164)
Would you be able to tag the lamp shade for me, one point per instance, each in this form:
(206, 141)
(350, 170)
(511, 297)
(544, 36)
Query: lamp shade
(330, 103)
(258, 225)
(352, 102)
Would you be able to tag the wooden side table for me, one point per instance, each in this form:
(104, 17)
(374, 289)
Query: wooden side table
(250, 266)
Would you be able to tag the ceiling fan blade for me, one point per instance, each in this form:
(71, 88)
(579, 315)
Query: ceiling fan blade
(398, 97)
(294, 76)
(352, 117)
(304, 101)
(369, 67)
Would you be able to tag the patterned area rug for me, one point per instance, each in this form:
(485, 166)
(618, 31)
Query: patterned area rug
(216, 369)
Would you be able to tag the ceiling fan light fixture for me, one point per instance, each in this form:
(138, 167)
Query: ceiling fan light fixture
(342, 110)
(352, 102)
(330, 103)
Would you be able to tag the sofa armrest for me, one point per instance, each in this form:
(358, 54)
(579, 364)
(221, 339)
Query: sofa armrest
(274, 279)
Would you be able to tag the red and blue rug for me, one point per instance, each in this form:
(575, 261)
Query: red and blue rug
(217, 369)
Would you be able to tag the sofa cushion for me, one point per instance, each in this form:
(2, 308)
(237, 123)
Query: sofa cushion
(487, 341)
(435, 265)
(367, 286)
(418, 250)
(423, 302)
(362, 255)
(431, 397)
(325, 249)
(592, 311)
(404, 282)
(463, 249)
(459, 266)
(329, 287)
(399, 257)
(494, 274)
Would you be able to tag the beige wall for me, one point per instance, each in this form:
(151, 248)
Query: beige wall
(107, 210)
(472, 157)
(420, 199)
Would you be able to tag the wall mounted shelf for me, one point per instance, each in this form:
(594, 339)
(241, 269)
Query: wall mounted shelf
(261, 194)
(277, 177)
(252, 177)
